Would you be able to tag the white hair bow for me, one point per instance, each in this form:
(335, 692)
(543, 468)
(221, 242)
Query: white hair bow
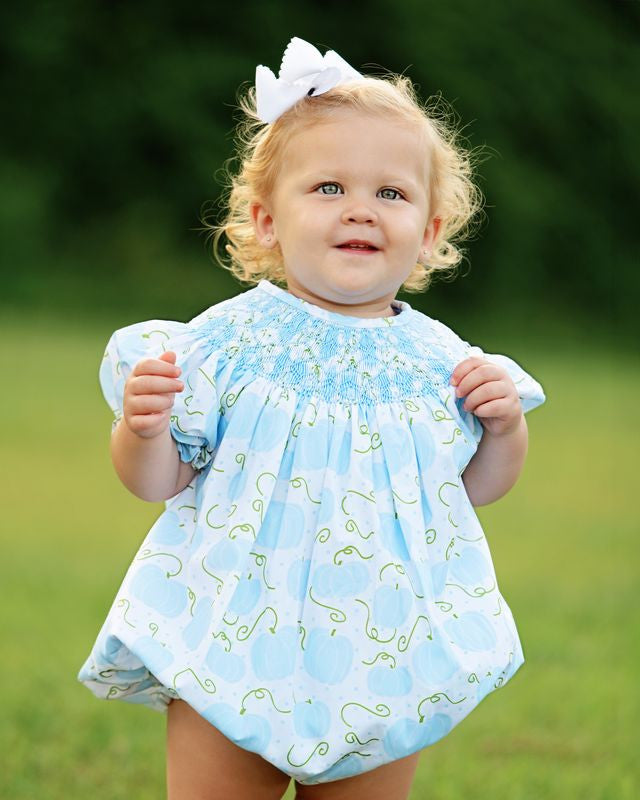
(303, 71)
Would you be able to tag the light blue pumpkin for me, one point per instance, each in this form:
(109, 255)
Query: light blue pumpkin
(166, 595)
(273, 655)
(345, 768)
(311, 719)
(224, 555)
(436, 727)
(393, 537)
(246, 595)
(166, 530)
(195, 631)
(464, 447)
(312, 450)
(153, 655)
(327, 507)
(403, 738)
(486, 685)
(282, 527)
(434, 661)
(250, 731)
(470, 568)
(338, 581)
(298, 578)
(439, 574)
(196, 541)
(380, 477)
(237, 485)
(389, 681)
(471, 631)
(270, 429)
(407, 735)
(327, 657)
(340, 453)
(424, 445)
(397, 447)
(391, 606)
(227, 665)
(427, 514)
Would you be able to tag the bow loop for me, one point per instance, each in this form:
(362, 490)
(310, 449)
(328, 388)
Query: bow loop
(303, 71)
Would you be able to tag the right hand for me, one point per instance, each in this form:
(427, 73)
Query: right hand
(149, 394)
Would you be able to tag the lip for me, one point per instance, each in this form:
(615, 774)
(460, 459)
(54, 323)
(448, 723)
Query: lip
(358, 251)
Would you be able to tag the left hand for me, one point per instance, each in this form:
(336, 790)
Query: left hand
(490, 394)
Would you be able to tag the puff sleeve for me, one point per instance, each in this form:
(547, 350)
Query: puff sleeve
(530, 391)
(194, 418)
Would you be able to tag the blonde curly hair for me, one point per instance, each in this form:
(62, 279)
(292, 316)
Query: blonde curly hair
(453, 196)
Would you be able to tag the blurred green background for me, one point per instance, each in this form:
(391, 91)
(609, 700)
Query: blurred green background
(118, 117)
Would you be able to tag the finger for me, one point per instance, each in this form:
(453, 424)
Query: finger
(149, 403)
(154, 384)
(146, 423)
(493, 390)
(463, 368)
(169, 357)
(494, 408)
(479, 373)
(155, 366)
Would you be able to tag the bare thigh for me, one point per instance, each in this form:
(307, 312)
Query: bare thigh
(202, 764)
(389, 782)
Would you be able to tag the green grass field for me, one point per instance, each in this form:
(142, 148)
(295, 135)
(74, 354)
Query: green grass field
(564, 543)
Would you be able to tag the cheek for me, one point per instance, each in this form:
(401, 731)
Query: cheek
(409, 232)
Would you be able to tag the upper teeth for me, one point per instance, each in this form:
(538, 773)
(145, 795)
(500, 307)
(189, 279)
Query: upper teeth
(358, 245)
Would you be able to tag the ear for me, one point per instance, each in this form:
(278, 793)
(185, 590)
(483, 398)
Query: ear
(430, 234)
(263, 225)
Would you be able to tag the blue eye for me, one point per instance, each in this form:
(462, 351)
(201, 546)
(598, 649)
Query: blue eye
(324, 185)
(389, 189)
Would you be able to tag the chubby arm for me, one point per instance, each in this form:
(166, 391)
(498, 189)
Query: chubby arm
(150, 468)
(496, 465)
(492, 396)
(143, 452)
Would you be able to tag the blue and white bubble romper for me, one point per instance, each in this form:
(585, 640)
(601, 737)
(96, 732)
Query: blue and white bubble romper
(322, 592)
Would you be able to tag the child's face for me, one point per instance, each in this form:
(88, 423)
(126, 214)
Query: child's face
(357, 177)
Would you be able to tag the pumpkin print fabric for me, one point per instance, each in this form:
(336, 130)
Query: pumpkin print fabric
(322, 592)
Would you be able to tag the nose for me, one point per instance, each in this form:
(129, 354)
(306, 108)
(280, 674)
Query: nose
(359, 211)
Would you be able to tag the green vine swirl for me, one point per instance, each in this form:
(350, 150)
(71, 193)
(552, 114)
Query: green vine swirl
(321, 747)
(298, 482)
(147, 553)
(260, 694)
(374, 634)
(379, 711)
(125, 602)
(435, 698)
(207, 682)
(261, 561)
(351, 738)
(245, 628)
(385, 657)
(211, 575)
(403, 640)
(479, 591)
(348, 550)
(336, 614)
(222, 635)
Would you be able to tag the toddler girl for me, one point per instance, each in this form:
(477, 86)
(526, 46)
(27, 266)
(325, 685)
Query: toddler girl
(318, 599)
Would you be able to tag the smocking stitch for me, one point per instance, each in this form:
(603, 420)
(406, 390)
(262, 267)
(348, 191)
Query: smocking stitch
(289, 345)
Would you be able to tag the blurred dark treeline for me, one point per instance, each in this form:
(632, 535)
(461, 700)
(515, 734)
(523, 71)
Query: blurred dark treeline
(118, 116)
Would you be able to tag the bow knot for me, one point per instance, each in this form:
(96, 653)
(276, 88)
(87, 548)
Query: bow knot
(303, 72)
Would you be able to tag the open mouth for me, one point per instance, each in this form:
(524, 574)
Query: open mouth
(352, 247)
